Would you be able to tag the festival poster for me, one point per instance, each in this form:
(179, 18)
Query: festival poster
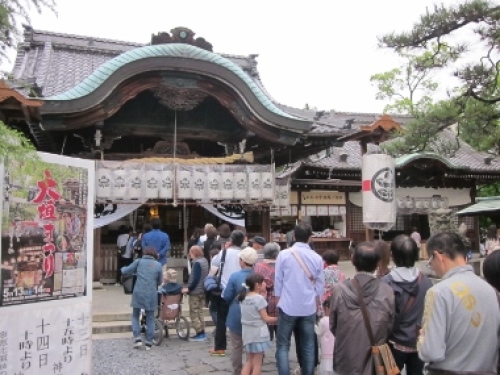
(46, 269)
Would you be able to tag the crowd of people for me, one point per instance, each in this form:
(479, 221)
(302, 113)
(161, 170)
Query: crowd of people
(258, 293)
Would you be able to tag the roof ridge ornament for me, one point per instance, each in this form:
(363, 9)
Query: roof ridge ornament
(181, 35)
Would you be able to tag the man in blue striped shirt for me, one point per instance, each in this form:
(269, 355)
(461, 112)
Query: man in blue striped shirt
(299, 288)
(159, 240)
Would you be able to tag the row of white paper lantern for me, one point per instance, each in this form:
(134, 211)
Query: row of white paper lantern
(191, 183)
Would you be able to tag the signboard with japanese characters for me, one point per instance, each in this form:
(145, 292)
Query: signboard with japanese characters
(46, 242)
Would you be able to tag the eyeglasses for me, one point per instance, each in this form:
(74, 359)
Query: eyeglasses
(429, 265)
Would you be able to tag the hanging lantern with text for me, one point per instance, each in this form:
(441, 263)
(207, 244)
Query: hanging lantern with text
(379, 190)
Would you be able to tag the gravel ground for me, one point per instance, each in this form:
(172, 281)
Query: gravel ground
(174, 357)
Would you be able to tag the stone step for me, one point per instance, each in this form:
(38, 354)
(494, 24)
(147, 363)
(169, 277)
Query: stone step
(118, 316)
(120, 326)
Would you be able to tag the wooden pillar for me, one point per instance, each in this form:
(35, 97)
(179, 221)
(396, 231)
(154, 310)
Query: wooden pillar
(266, 223)
(97, 255)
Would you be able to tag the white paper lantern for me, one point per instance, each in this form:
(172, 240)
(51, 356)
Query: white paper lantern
(166, 190)
(214, 185)
(119, 183)
(134, 183)
(284, 192)
(254, 185)
(184, 182)
(379, 191)
(227, 182)
(240, 186)
(199, 184)
(152, 184)
(267, 182)
(103, 178)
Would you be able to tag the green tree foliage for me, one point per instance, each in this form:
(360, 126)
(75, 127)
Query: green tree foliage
(433, 45)
(14, 144)
(13, 13)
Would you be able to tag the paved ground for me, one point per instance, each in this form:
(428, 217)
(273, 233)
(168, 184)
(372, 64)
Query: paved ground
(174, 357)
(113, 353)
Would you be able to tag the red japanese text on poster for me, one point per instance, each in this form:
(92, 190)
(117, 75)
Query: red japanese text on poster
(46, 241)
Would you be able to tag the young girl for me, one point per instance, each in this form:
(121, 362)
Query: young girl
(327, 341)
(254, 317)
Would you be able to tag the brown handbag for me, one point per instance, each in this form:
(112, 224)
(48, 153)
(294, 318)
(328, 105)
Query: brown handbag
(383, 360)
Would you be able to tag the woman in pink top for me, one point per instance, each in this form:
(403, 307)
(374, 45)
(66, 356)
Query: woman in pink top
(333, 274)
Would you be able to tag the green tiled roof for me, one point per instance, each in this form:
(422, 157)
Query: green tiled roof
(486, 204)
(405, 159)
(184, 51)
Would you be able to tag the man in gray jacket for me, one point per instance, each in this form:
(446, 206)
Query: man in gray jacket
(461, 314)
(353, 354)
(409, 286)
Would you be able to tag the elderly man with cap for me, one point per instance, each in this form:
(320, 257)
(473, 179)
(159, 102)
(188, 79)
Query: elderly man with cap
(247, 259)
(258, 244)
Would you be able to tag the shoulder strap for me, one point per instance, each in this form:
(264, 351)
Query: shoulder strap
(221, 267)
(303, 265)
(362, 305)
(411, 299)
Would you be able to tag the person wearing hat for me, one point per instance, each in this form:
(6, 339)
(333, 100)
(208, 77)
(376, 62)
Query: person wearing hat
(247, 258)
(258, 244)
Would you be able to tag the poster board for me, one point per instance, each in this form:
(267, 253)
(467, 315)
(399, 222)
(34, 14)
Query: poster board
(46, 266)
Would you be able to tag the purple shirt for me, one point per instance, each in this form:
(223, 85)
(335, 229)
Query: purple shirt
(297, 293)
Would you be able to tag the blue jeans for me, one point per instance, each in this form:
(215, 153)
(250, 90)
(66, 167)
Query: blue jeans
(286, 325)
(150, 325)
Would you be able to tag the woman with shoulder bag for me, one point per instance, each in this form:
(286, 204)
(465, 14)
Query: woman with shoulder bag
(145, 293)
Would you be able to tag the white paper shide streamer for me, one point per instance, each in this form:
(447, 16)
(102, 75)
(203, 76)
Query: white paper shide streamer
(379, 190)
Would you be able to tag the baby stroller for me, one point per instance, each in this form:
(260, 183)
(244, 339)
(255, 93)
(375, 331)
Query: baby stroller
(170, 315)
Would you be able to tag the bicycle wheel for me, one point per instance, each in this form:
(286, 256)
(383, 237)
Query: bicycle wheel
(182, 327)
(158, 337)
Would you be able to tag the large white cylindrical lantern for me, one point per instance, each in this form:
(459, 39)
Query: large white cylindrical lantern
(166, 182)
(103, 178)
(379, 192)
(199, 183)
(152, 180)
(240, 184)
(184, 182)
(227, 182)
(213, 183)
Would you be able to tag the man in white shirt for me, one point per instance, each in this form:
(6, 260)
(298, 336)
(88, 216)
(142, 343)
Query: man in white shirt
(231, 265)
(203, 237)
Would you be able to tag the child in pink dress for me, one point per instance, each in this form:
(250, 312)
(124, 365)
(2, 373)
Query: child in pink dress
(326, 341)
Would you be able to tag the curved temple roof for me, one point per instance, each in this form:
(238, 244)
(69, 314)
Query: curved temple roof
(175, 50)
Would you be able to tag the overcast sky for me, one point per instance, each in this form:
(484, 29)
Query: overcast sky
(317, 52)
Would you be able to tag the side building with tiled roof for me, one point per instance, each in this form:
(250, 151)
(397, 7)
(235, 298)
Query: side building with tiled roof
(424, 181)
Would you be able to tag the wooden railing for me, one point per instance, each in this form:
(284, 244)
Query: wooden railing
(109, 260)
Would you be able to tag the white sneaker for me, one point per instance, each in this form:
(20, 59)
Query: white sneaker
(137, 344)
(148, 346)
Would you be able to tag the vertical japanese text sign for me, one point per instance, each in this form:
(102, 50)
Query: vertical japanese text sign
(46, 268)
